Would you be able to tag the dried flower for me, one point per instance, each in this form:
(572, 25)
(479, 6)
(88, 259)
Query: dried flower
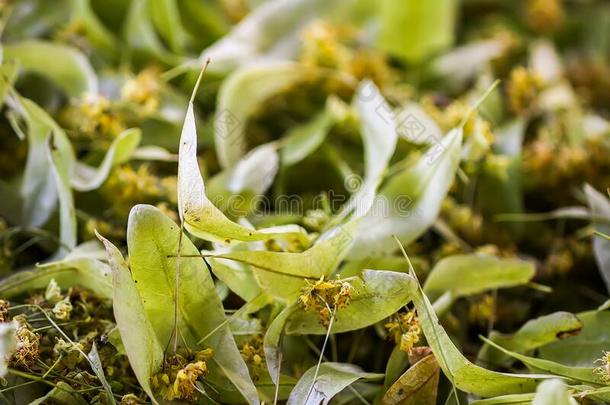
(63, 309)
(179, 373)
(28, 342)
(4, 306)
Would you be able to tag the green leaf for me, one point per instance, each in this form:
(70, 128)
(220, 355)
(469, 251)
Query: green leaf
(417, 386)
(137, 334)
(94, 30)
(239, 95)
(415, 30)
(533, 334)
(582, 374)
(272, 342)
(270, 32)
(379, 137)
(376, 293)
(410, 202)
(332, 378)
(8, 72)
(166, 18)
(70, 69)
(61, 154)
(238, 277)
(62, 394)
(49, 166)
(140, 35)
(600, 206)
(86, 178)
(152, 240)
(552, 392)
(583, 349)
(255, 172)
(283, 274)
(466, 376)
(463, 275)
(85, 273)
(395, 367)
(513, 399)
(200, 216)
(304, 139)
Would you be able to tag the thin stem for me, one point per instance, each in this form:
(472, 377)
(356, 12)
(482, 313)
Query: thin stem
(198, 82)
(235, 315)
(315, 376)
(176, 288)
(425, 308)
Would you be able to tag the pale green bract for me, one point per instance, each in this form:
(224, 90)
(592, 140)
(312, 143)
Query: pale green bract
(533, 334)
(461, 275)
(379, 136)
(458, 369)
(413, 31)
(410, 201)
(240, 94)
(137, 334)
(331, 379)
(152, 240)
(600, 206)
(70, 68)
(200, 217)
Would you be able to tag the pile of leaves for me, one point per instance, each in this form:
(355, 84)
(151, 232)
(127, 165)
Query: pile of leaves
(304, 202)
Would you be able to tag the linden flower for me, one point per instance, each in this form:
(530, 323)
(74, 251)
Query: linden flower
(143, 89)
(603, 371)
(325, 296)
(70, 352)
(4, 306)
(184, 384)
(483, 310)
(253, 354)
(27, 347)
(522, 89)
(63, 309)
(404, 329)
(180, 372)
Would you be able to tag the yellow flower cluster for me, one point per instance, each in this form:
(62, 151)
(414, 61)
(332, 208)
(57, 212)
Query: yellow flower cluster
(545, 16)
(4, 306)
(522, 90)
(180, 373)
(603, 371)
(144, 89)
(483, 310)
(93, 118)
(325, 297)
(254, 355)
(404, 329)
